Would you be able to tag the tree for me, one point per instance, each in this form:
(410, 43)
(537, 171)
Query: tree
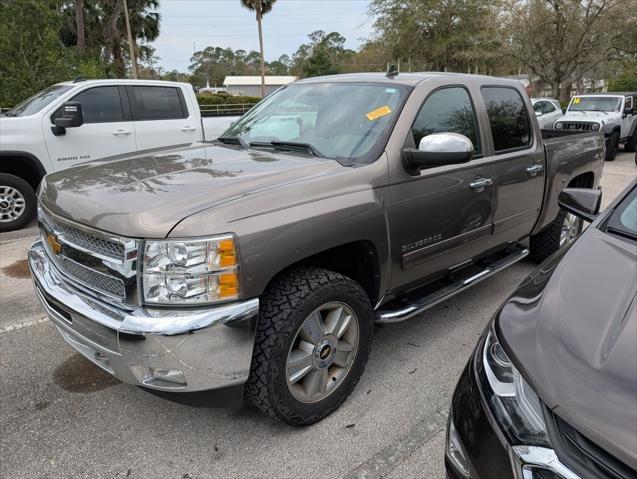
(322, 56)
(453, 35)
(260, 7)
(563, 41)
(79, 22)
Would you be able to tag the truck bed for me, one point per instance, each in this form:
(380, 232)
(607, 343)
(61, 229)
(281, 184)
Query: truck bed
(568, 154)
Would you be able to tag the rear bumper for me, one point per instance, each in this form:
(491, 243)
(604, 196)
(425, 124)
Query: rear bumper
(166, 351)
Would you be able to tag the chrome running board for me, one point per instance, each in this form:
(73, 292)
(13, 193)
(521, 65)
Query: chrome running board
(425, 297)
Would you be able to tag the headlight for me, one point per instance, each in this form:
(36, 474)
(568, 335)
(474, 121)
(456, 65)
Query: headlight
(559, 126)
(595, 126)
(514, 403)
(191, 272)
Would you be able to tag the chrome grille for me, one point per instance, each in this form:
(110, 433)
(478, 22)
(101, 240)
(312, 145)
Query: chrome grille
(87, 241)
(91, 278)
(97, 262)
(577, 125)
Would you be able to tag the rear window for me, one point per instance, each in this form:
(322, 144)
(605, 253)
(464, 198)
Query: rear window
(156, 103)
(508, 118)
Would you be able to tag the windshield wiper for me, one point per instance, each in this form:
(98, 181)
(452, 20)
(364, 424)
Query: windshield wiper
(289, 145)
(234, 140)
(621, 232)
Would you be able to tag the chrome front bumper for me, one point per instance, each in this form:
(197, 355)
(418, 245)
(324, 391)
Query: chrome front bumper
(169, 350)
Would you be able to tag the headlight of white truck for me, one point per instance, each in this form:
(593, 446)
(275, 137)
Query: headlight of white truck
(514, 403)
(191, 272)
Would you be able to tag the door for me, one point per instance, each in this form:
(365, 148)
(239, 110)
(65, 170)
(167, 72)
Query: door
(627, 120)
(441, 217)
(106, 130)
(162, 118)
(519, 162)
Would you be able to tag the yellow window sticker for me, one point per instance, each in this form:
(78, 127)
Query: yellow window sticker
(576, 100)
(378, 112)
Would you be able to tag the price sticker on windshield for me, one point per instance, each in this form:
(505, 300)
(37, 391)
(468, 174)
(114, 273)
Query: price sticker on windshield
(378, 112)
(576, 100)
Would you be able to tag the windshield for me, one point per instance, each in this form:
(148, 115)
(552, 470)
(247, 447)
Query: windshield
(623, 221)
(39, 101)
(349, 122)
(595, 103)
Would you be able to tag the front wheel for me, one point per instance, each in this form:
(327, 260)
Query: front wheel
(613, 146)
(561, 232)
(18, 203)
(312, 343)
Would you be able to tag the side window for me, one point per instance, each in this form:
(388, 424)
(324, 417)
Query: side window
(629, 102)
(507, 116)
(539, 106)
(156, 103)
(447, 110)
(99, 105)
(548, 107)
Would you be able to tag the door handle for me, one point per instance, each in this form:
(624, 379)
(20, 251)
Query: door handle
(188, 129)
(121, 132)
(533, 170)
(480, 184)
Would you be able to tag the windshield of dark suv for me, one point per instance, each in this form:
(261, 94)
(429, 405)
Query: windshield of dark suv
(595, 103)
(348, 122)
(623, 221)
(38, 101)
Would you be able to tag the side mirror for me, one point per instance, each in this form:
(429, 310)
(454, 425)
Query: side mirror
(438, 149)
(628, 111)
(538, 113)
(72, 117)
(582, 202)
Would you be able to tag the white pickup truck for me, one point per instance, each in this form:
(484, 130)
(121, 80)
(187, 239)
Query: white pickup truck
(118, 117)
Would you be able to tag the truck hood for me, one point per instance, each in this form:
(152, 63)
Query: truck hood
(146, 195)
(599, 116)
(571, 330)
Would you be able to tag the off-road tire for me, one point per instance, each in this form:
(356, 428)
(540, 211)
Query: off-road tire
(613, 146)
(631, 144)
(547, 241)
(30, 202)
(286, 303)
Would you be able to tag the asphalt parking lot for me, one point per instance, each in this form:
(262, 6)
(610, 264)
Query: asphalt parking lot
(61, 416)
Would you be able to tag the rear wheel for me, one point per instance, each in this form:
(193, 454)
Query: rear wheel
(18, 203)
(312, 343)
(612, 148)
(561, 232)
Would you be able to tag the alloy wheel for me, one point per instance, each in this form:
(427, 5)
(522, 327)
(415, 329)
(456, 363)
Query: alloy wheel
(12, 204)
(570, 229)
(322, 352)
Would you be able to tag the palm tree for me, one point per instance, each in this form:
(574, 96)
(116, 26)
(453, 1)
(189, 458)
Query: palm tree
(261, 7)
(79, 21)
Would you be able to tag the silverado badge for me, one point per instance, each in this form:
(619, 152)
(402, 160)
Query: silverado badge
(56, 247)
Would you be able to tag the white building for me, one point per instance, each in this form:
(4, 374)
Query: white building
(251, 85)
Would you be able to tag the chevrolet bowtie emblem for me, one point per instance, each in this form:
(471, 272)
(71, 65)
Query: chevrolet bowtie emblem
(56, 247)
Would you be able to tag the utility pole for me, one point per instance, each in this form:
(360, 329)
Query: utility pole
(131, 47)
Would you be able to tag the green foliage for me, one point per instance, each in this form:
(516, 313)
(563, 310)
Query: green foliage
(322, 56)
(626, 81)
(224, 98)
(213, 64)
(38, 44)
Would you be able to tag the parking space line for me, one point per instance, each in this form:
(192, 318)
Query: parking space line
(387, 459)
(26, 324)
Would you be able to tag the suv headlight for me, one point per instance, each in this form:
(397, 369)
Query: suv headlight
(514, 403)
(559, 125)
(190, 272)
(595, 126)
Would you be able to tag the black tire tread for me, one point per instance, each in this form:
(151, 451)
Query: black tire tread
(547, 241)
(277, 304)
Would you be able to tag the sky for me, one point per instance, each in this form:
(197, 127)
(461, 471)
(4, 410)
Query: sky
(189, 25)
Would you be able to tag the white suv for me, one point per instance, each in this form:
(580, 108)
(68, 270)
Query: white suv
(614, 114)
